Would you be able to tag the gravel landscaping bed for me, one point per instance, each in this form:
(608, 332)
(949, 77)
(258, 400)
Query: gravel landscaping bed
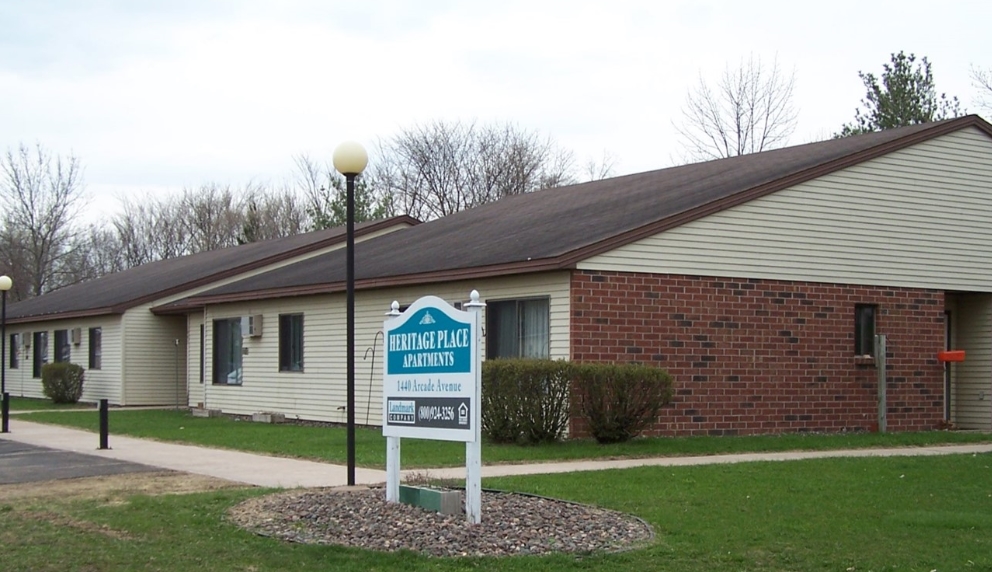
(511, 524)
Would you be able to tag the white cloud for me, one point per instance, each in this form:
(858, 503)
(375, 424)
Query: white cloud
(189, 92)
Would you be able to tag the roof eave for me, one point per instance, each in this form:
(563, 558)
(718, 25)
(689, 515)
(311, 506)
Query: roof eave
(89, 313)
(513, 268)
(262, 262)
(616, 241)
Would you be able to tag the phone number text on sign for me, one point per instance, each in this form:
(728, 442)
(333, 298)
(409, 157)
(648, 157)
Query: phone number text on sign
(438, 412)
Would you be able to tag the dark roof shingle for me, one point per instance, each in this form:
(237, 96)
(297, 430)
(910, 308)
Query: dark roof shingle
(117, 292)
(555, 228)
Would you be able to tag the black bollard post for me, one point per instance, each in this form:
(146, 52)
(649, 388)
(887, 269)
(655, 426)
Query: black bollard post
(5, 412)
(104, 423)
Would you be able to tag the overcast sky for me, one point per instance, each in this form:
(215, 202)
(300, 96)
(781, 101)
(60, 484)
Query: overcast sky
(154, 96)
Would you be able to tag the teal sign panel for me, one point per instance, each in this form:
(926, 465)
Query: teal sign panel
(429, 342)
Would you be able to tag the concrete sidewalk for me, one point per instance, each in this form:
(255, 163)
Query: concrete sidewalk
(571, 466)
(248, 468)
(269, 471)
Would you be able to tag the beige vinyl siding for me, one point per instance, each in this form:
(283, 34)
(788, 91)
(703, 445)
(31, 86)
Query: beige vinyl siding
(919, 217)
(19, 381)
(104, 383)
(971, 384)
(319, 392)
(154, 367)
(195, 388)
(151, 357)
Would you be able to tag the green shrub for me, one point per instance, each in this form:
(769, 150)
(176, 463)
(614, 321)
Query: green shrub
(524, 400)
(619, 401)
(62, 382)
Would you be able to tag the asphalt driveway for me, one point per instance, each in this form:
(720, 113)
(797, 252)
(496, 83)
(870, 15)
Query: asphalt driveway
(23, 463)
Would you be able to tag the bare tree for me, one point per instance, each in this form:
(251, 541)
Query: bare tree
(203, 218)
(271, 214)
(982, 80)
(440, 168)
(325, 195)
(41, 194)
(209, 216)
(558, 169)
(313, 179)
(96, 251)
(15, 263)
(150, 229)
(748, 110)
(103, 252)
(602, 169)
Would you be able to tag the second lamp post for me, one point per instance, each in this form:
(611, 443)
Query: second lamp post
(5, 284)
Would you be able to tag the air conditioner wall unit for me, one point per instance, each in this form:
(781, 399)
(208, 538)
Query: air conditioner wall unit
(251, 326)
(77, 336)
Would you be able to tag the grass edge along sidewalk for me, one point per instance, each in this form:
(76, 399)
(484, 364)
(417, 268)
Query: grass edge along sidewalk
(19, 404)
(324, 443)
(906, 513)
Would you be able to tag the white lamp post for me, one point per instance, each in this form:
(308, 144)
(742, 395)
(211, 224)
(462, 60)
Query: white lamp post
(350, 160)
(5, 284)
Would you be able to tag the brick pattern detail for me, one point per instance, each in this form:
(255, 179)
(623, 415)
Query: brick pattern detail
(752, 356)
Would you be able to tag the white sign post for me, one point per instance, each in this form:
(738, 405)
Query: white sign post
(432, 383)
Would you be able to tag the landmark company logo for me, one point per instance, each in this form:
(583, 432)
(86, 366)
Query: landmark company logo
(401, 411)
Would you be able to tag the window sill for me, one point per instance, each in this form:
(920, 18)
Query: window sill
(864, 360)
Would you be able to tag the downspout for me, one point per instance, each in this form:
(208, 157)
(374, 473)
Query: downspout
(176, 365)
(882, 374)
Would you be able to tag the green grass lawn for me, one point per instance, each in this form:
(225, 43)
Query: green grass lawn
(29, 404)
(870, 514)
(328, 443)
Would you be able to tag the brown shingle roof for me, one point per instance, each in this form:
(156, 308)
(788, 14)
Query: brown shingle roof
(556, 228)
(115, 293)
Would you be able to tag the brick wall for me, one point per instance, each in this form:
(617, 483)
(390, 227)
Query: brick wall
(762, 356)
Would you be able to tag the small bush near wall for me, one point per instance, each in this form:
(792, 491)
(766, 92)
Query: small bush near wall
(62, 382)
(524, 400)
(619, 401)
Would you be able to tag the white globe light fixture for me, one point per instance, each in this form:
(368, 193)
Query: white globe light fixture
(350, 158)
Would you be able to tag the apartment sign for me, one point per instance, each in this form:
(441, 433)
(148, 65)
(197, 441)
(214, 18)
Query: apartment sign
(431, 371)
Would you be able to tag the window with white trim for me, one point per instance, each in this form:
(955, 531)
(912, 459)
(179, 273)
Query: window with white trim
(40, 353)
(518, 328)
(864, 329)
(228, 352)
(62, 350)
(291, 342)
(15, 351)
(96, 348)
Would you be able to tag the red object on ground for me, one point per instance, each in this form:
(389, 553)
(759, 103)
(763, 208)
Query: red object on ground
(951, 355)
